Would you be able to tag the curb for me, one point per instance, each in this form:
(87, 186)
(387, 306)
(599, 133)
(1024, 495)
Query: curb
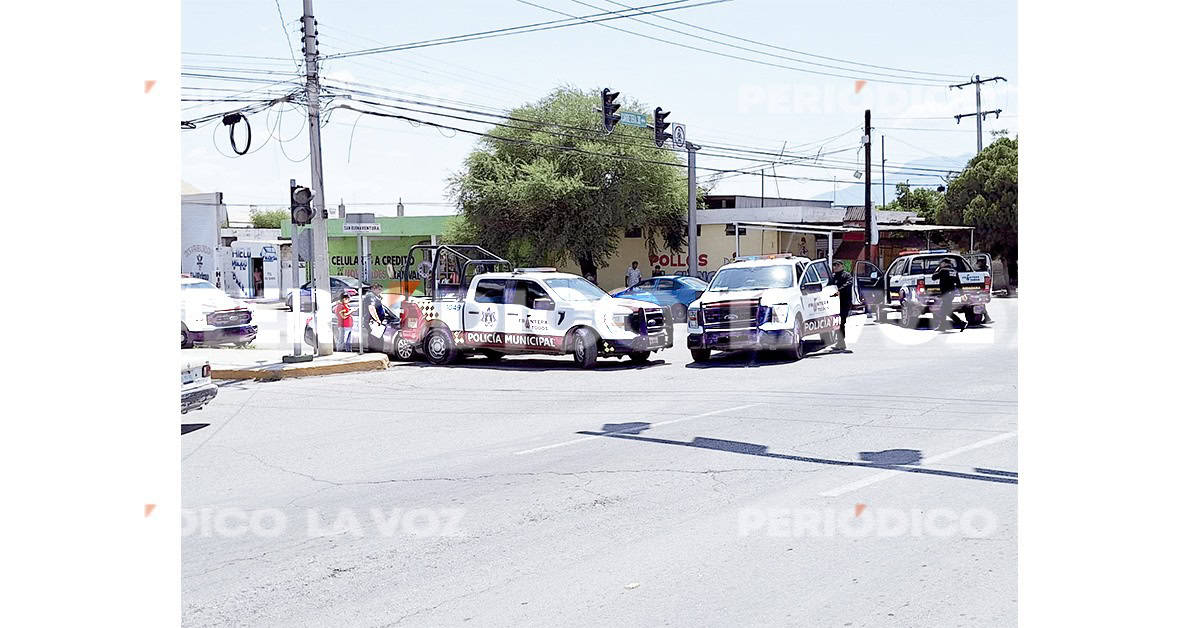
(274, 372)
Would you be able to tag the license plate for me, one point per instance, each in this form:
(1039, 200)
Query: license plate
(657, 342)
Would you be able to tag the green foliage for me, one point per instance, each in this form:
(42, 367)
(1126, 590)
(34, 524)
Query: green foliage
(984, 196)
(926, 202)
(537, 205)
(270, 219)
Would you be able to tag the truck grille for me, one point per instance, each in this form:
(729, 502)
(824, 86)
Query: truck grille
(652, 321)
(730, 314)
(225, 318)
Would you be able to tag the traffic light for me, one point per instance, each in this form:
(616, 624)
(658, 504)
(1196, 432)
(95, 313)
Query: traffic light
(609, 109)
(660, 126)
(302, 212)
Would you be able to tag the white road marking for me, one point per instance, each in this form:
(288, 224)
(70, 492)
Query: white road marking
(879, 477)
(657, 424)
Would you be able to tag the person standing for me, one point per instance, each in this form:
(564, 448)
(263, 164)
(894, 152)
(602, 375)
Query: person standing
(657, 272)
(844, 283)
(949, 286)
(345, 320)
(632, 275)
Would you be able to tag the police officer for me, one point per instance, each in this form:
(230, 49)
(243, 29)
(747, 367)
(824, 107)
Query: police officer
(845, 285)
(949, 286)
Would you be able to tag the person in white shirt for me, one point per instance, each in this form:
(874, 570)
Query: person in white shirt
(633, 275)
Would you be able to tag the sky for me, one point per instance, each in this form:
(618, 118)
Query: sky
(370, 162)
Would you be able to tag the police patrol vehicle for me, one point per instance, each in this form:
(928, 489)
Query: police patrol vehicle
(471, 304)
(908, 285)
(766, 302)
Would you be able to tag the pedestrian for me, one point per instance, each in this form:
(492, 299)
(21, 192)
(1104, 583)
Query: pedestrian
(632, 275)
(949, 286)
(345, 320)
(845, 285)
(657, 272)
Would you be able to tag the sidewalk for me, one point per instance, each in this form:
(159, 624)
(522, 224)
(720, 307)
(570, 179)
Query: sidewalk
(267, 364)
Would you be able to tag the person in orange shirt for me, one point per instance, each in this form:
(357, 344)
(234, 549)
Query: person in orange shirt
(345, 322)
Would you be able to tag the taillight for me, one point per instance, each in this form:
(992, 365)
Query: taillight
(920, 286)
(205, 371)
(987, 283)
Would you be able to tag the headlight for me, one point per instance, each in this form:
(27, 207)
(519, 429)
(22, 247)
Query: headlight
(620, 321)
(779, 313)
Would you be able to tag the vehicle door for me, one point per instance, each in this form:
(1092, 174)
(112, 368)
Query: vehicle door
(868, 283)
(483, 313)
(528, 307)
(664, 292)
(818, 299)
(895, 281)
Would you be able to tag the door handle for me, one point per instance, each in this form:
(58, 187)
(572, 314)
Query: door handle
(513, 314)
(472, 311)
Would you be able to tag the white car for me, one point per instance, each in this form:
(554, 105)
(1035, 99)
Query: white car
(533, 310)
(209, 316)
(766, 302)
(198, 388)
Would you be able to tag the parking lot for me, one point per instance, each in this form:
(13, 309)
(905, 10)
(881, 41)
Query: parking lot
(753, 489)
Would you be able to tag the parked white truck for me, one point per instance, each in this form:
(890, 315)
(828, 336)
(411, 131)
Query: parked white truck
(766, 302)
(470, 305)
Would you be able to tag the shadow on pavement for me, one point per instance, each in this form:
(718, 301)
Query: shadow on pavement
(756, 359)
(891, 456)
(753, 449)
(187, 428)
(564, 363)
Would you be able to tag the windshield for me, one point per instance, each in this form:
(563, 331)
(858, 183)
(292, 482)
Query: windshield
(692, 282)
(575, 289)
(752, 278)
(929, 264)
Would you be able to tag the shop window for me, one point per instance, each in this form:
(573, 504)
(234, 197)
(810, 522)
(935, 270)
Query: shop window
(729, 230)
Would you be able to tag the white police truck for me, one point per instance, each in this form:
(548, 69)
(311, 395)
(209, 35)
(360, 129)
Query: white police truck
(768, 302)
(908, 285)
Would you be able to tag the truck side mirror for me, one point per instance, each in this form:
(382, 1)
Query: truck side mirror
(543, 304)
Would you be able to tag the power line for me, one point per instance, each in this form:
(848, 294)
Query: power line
(751, 50)
(792, 50)
(727, 55)
(288, 35)
(526, 28)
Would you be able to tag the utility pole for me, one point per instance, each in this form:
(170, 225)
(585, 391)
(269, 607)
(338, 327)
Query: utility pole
(321, 299)
(979, 113)
(883, 169)
(869, 234)
(693, 243)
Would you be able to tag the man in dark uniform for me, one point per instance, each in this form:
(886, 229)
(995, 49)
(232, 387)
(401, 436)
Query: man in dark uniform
(844, 282)
(949, 286)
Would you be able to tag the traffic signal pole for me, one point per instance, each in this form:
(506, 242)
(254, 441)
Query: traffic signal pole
(322, 325)
(869, 237)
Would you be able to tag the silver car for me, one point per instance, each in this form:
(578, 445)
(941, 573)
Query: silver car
(337, 285)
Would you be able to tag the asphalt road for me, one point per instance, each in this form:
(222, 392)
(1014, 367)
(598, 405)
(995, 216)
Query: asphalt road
(872, 488)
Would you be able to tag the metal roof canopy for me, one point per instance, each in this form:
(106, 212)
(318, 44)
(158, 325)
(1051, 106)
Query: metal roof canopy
(929, 228)
(788, 227)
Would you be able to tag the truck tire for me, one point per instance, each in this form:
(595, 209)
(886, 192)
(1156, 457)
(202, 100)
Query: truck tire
(439, 346)
(973, 319)
(909, 317)
(403, 349)
(797, 351)
(701, 355)
(583, 348)
(184, 341)
(678, 313)
(639, 357)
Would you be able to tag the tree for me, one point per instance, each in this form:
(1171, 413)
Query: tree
(270, 219)
(984, 196)
(926, 202)
(533, 202)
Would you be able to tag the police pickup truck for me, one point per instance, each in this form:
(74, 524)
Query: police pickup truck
(764, 303)
(470, 306)
(908, 285)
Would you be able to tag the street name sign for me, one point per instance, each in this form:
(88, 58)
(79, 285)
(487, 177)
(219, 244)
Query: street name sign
(633, 119)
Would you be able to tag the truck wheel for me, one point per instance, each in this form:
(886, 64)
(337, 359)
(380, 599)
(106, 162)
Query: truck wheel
(909, 317)
(439, 346)
(583, 348)
(701, 355)
(973, 319)
(640, 357)
(798, 350)
(184, 341)
(678, 313)
(403, 349)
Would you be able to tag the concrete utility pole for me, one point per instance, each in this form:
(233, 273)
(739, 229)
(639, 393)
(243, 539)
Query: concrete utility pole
(979, 113)
(693, 243)
(883, 169)
(322, 324)
(869, 234)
